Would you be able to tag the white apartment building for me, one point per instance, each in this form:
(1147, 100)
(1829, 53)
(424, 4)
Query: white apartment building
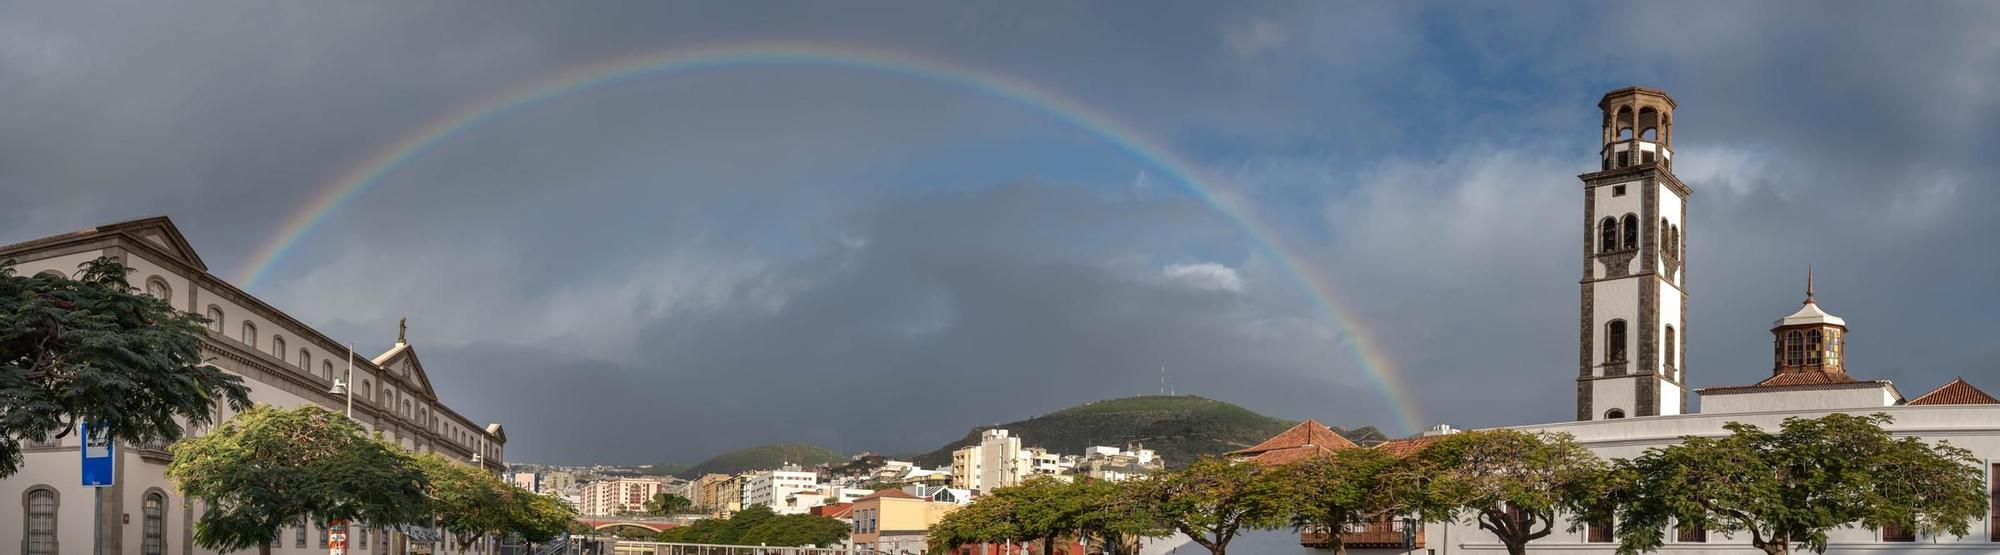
(771, 488)
(1113, 464)
(286, 363)
(999, 461)
(615, 495)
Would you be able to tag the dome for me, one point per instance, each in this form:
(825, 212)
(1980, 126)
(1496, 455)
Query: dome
(1811, 314)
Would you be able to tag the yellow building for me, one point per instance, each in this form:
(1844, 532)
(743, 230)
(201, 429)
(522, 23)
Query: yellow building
(892, 521)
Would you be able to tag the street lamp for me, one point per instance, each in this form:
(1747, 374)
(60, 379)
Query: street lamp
(343, 387)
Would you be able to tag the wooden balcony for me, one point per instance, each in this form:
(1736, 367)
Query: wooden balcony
(1379, 533)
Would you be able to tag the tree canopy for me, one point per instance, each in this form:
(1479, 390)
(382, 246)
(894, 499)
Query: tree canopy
(667, 504)
(1214, 500)
(269, 467)
(1790, 488)
(1511, 483)
(758, 525)
(1347, 487)
(91, 349)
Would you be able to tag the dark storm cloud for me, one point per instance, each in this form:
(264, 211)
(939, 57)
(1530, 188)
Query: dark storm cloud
(660, 270)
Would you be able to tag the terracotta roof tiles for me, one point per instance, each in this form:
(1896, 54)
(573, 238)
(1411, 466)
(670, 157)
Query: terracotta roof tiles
(1306, 440)
(1957, 392)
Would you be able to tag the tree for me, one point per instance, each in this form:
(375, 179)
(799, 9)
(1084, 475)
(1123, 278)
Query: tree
(1511, 483)
(758, 525)
(91, 349)
(986, 519)
(1791, 487)
(1114, 513)
(470, 503)
(667, 504)
(1212, 500)
(1347, 487)
(270, 467)
(539, 518)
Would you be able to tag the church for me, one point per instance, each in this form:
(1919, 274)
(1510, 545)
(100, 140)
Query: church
(1631, 383)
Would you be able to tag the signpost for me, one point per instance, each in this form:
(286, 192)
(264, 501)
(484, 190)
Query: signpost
(99, 472)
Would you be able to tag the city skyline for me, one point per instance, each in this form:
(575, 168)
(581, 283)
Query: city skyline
(713, 228)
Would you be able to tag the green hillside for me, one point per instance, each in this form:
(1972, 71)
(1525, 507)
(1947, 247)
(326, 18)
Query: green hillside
(1179, 428)
(763, 458)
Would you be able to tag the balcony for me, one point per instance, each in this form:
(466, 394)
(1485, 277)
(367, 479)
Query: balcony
(1381, 533)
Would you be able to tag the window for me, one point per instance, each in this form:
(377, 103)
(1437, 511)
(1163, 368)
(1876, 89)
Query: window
(278, 347)
(215, 318)
(305, 359)
(364, 538)
(326, 370)
(1664, 247)
(1614, 414)
(1607, 235)
(1833, 342)
(1994, 519)
(1671, 361)
(1624, 157)
(1631, 232)
(299, 538)
(41, 531)
(321, 527)
(1645, 157)
(1813, 349)
(250, 334)
(1795, 348)
(1894, 533)
(1690, 534)
(1674, 241)
(158, 289)
(1598, 532)
(155, 508)
(1617, 190)
(1614, 341)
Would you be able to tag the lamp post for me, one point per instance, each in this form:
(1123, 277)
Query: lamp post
(345, 387)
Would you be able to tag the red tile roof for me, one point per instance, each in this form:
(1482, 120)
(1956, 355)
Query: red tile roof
(1799, 381)
(1307, 440)
(1958, 392)
(1407, 446)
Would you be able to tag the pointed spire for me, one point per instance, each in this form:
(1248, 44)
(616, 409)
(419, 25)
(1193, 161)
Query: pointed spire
(1809, 284)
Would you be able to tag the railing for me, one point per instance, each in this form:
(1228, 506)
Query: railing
(1376, 533)
(668, 548)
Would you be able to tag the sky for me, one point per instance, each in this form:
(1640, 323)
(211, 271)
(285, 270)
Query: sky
(1301, 208)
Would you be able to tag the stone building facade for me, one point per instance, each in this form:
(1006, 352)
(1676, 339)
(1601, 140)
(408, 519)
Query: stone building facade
(285, 361)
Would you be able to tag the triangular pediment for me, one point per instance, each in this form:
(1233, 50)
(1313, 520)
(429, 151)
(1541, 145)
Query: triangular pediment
(402, 361)
(159, 233)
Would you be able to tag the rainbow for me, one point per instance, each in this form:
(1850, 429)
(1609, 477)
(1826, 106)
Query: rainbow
(337, 193)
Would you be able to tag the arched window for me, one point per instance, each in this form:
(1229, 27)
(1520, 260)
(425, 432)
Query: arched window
(1607, 235)
(1631, 232)
(250, 334)
(305, 359)
(1795, 348)
(1614, 414)
(215, 318)
(158, 289)
(1674, 241)
(1813, 347)
(326, 371)
(1671, 361)
(1614, 341)
(1665, 249)
(278, 346)
(368, 390)
(41, 533)
(155, 509)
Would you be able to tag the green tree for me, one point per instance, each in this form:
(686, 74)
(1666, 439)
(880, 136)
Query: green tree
(1213, 500)
(667, 504)
(269, 467)
(758, 525)
(1347, 487)
(91, 349)
(1791, 487)
(1115, 514)
(986, 519)
(1509, 482)
(539, 518)
(470, 503)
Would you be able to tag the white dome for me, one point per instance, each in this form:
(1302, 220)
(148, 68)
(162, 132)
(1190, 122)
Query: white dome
(1811, 314)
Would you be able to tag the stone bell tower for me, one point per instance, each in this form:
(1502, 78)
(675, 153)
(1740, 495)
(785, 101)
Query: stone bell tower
(1633, 327)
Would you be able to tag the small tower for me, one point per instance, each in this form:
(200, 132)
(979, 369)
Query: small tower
(1633, 324)
(1809, 340)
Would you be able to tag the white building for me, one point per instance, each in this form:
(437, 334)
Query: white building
(285, 362)
(771, 488)
(1113, 464)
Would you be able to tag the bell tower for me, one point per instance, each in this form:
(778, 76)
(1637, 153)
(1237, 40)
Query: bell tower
(1633, 327)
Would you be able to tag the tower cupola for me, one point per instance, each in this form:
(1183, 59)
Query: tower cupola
(1638, 128)
(1809, 340)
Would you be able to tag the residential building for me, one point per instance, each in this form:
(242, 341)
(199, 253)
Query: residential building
(1112, 464)
(891, 521)
(705, 494)
(558, 481)
(771, 488)
(284, 361)
(612, 496)
(526, 480)
(804, 502)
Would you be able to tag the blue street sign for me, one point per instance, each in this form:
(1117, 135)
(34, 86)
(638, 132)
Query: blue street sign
(98, 451)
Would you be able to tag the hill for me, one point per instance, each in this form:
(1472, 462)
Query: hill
(763, 458)
(1179, 428)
